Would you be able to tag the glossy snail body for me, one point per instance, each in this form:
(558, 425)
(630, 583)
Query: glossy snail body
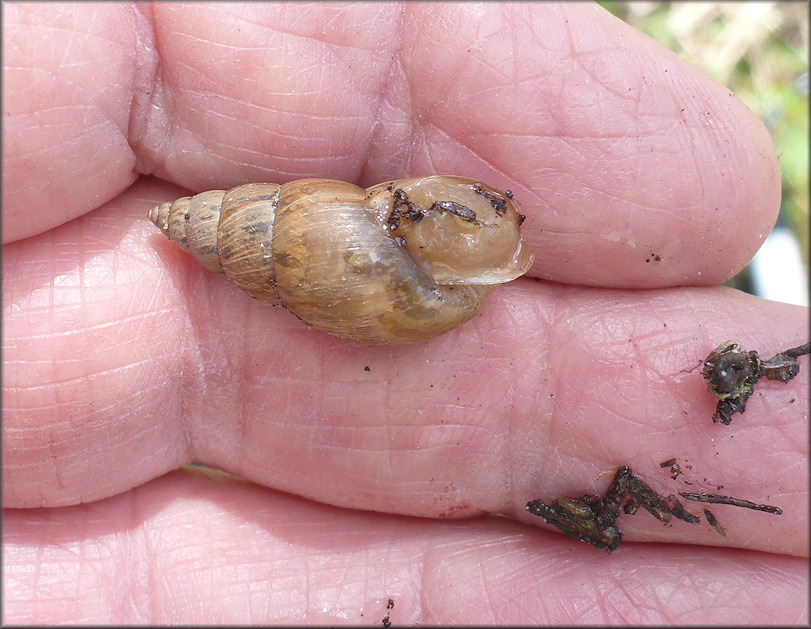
(399, 262)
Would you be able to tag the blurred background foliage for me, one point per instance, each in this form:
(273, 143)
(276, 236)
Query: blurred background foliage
(759, 50)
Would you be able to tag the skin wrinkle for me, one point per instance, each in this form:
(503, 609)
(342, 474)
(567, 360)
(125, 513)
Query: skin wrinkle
(556, 319)
(490, 608)
(585, 69)
(69, 333)
(449, 555)
(47, 111)
(426, 115)
(330, 46)
(616, 601)
(559, 136)
(458, 142)
(291, 135)
(172, 328)
(78, 379)
(492, 67)
(630, 204)
(324, 33)
(391, 71)
(54, 460)
(693, 146)
(200, 363)
(337, 155)
(650, 377)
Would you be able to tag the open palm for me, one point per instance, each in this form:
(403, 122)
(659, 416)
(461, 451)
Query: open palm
(374, 471)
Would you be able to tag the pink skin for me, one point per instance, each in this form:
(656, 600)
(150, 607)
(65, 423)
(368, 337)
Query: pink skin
(124, 359)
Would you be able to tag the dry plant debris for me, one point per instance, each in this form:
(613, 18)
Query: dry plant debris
(592, 519)
(732, 374)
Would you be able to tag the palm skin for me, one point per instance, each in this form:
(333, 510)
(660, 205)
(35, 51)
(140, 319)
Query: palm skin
(645, 184)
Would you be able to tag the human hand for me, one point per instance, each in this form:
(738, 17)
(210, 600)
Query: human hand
(645, 184)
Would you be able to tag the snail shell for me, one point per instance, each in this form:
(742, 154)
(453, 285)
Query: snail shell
(399, 262)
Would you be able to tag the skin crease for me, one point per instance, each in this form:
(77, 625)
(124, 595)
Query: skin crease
(124, 360)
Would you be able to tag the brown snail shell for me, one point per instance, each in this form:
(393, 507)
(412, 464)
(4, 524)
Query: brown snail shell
(399, 262)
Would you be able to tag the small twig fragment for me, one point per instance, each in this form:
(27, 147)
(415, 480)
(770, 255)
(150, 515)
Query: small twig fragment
(675, 468)
(729, 500)
(796, 352)
(681, 513)
(714, 523)
(577, 519)
(592, 519)
(784, 366)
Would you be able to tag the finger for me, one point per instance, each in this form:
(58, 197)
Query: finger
(70, 71)
(643, 173)
(131, 361)
(188, 549)
(631, 164)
